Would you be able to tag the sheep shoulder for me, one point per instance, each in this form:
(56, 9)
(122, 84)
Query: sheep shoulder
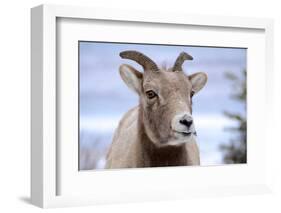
(124, 147)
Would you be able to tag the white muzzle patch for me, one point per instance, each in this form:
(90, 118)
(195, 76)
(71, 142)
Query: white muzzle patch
(183, 123)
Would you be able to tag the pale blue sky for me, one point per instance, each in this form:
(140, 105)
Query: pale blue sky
(104, 97)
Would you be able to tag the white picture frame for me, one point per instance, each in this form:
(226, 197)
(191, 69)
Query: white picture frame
(45, 168)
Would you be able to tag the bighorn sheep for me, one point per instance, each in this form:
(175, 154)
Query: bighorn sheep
(160, 130)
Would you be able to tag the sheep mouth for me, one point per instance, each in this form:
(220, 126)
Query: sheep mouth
(187, 133)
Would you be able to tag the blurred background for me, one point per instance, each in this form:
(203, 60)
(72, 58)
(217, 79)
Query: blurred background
(219, 109)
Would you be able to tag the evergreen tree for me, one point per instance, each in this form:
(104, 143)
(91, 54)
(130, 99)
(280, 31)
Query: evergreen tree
(236, 150)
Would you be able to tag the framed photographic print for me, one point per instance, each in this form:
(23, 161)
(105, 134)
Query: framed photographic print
(132, 106)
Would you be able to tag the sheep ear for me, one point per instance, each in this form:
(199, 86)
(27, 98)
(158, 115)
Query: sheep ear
(198, 81)
(131, 77)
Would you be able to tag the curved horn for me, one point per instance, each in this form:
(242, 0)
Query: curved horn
(140, 58)
(181, 58)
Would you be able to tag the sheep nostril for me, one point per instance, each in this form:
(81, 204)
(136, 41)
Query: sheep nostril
(185, 122)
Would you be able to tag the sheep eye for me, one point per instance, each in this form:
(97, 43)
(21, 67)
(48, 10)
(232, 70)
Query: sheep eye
(192, 93)
(150, 94)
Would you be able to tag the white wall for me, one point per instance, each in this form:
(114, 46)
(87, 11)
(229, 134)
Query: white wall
(14, 107)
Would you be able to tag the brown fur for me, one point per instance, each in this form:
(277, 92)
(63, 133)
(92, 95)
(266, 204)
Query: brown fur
(144, 136)
(174, 91)
(138, 151)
